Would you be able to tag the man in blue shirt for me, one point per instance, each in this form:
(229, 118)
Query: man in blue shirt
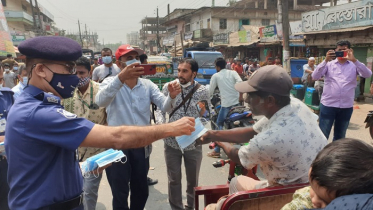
(42, 138)
(127, 102)
(6, 101)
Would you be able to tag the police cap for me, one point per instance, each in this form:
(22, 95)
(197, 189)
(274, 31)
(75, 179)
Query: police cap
(56, 48)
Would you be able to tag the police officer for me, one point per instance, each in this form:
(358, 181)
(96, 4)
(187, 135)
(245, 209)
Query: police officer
(42, 137)
(6, 101)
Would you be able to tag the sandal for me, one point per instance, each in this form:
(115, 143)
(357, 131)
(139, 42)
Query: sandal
(213, 154)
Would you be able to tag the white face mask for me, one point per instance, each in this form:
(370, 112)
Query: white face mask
(7, 70)
(184, 85)
(132, 61)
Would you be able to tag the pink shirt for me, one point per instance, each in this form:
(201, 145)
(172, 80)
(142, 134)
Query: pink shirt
(340, 82)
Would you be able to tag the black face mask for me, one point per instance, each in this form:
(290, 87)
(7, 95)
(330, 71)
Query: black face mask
(64, 84)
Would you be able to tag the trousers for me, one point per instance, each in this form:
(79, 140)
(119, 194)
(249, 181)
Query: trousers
(131, 176)
(192, 162)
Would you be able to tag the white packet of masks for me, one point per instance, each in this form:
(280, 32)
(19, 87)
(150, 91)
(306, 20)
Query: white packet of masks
(2, 149)
(185, 141)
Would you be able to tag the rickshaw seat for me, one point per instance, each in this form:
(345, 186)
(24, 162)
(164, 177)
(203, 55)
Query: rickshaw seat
(273, 198)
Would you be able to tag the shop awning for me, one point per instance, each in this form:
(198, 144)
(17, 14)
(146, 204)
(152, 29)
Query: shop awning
(360, 28)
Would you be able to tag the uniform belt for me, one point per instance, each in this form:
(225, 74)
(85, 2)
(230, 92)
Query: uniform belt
(66, 205)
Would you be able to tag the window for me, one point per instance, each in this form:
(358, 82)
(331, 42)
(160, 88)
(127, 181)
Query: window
(3, 2)
(223, 24)
(187, 27)
(208, 23)
(246, 22)
(266, 22)
(24, 8)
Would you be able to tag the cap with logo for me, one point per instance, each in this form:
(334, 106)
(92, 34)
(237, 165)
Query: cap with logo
(270, 79)
(56, 48)
(125, 49)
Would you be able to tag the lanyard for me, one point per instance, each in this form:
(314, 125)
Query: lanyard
(92, 105)
(182, 96)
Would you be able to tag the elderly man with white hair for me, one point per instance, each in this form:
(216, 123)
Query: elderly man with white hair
(307, 72)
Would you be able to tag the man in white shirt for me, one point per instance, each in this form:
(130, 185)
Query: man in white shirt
(127, 102)
(23, 80)
(284, 142)
(225, 81)
(107, 69)
(10, 77)
(307, 71)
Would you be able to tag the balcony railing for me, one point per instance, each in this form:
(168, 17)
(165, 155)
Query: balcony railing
(14, 15)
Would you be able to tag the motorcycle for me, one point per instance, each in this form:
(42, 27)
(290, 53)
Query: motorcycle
(238, 116)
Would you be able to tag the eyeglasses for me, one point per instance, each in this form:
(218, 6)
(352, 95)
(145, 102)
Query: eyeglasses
(70, 67)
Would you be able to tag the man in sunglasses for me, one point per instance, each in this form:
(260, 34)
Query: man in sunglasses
(42, 137)
(83, 104)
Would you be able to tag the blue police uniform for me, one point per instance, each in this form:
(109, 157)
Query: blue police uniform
(42, 138)
(41, 144)
(6, 101)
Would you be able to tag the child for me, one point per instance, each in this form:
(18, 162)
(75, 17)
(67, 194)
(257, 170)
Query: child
(342, 168)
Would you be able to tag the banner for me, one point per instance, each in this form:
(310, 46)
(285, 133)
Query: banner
(220, 39)
(268, 34)
(6, 44)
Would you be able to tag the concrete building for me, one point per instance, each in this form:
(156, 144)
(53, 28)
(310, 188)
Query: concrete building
(148, 33)
(21, 22)
(133, 38)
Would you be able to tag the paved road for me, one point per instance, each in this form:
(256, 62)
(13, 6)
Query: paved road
(158, 198)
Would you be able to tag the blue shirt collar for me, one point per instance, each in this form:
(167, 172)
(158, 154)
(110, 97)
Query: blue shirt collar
(32, 90)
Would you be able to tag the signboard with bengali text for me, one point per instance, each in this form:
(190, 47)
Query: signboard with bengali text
(349, 15)
(6, 44)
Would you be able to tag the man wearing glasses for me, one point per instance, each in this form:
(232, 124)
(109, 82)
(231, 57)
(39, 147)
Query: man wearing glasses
(42, 138)
(107, 69)
(83, 105)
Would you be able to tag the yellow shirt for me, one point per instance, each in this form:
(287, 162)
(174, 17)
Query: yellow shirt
(79, 105)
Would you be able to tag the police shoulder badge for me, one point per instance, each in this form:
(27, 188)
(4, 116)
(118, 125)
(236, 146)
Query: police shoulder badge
(66, 114)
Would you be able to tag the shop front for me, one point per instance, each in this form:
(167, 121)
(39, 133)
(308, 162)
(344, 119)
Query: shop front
(352, 22)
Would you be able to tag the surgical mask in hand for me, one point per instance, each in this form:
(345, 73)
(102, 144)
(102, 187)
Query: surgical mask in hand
(132, 62)
(107, 59)
(24, 80)
(185, 141)
(102, 159)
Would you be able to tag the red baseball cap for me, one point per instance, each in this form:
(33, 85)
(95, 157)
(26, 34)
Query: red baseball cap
(125, 49)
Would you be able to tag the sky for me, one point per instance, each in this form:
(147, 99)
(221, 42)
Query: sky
(113, 19)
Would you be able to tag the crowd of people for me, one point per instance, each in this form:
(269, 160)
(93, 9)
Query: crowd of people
(63, 109)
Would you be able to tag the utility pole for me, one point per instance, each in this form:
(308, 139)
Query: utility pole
(158, 44)
(283, 12)
(182, 40)
(33, 15)
(40, 21)
(80, 34)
